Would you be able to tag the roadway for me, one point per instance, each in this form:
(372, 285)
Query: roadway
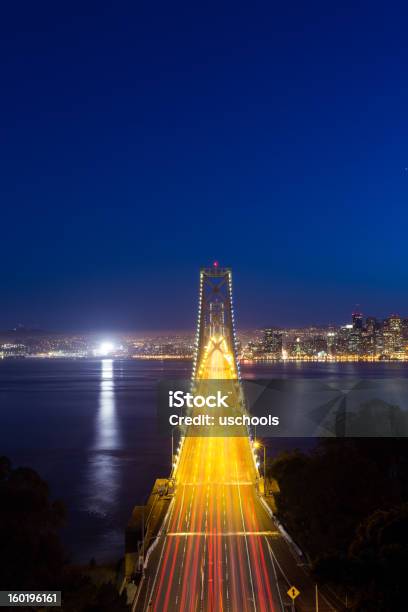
(216, 550)
(216, 554)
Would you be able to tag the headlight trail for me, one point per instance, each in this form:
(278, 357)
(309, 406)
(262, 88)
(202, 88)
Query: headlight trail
(214, 552)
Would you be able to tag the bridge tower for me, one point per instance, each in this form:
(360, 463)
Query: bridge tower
(215, 345)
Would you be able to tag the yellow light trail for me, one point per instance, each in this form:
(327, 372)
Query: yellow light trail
(216, 554)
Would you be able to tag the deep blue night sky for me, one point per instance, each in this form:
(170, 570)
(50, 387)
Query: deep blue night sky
(142, 140)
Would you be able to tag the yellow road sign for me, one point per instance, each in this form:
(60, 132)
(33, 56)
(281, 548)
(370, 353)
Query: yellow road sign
(293, 593)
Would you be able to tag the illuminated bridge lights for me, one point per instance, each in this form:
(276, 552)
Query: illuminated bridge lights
(225, 359)
(216, 495)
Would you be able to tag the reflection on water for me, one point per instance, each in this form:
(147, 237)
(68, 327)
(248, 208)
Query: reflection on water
(103, 474)
(93, 434)
(107, 435)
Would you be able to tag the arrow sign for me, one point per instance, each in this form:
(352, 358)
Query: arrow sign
(293, 593)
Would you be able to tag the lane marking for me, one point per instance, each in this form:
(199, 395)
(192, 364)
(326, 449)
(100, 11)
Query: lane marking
(246, 540)
(221, 534)
(230, 483)
(275, 574)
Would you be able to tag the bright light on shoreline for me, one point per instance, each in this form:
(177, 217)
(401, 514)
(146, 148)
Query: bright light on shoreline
(104, 349)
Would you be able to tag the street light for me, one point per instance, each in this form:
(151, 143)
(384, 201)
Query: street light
(257, 445)
(173, 456)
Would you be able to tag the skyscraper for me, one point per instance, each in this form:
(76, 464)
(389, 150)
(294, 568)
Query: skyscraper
(357, 319)
(392, 332)
(272, 342)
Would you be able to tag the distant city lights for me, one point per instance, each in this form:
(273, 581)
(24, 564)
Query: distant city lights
(366, 338)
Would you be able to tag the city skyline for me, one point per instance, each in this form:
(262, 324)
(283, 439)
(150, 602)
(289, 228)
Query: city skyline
(363, 338)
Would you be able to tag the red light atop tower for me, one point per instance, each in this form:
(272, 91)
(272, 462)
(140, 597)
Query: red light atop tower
(215, 264)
